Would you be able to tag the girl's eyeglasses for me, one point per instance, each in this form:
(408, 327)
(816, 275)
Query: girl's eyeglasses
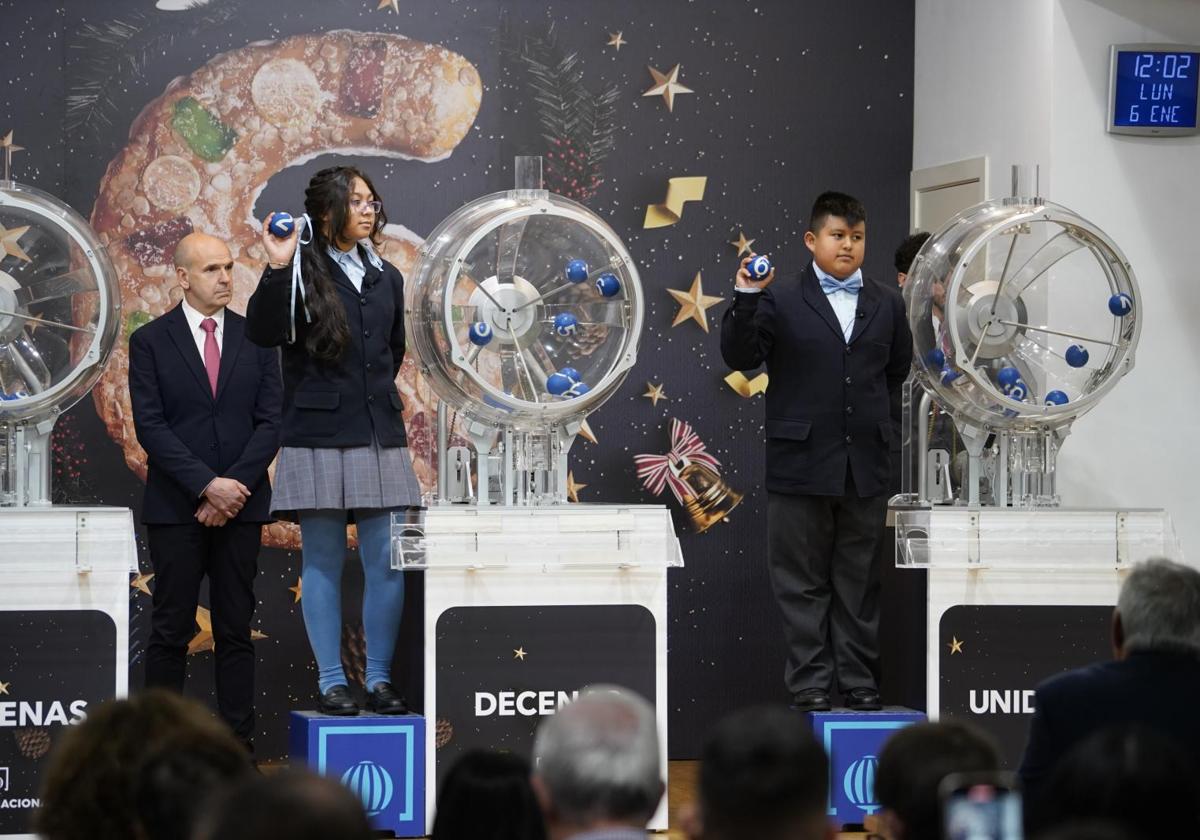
(360, 206)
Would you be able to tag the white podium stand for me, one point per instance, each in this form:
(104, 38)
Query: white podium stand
(1015, 596)
(588, 575)
(64, 606)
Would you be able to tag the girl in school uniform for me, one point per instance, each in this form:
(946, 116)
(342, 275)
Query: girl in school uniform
(338, 315)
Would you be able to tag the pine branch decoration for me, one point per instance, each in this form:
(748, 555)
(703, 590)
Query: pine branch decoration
(106, 56)
(579, 126)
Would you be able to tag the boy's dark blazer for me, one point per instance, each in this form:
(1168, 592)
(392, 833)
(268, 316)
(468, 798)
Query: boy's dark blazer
(828, 400)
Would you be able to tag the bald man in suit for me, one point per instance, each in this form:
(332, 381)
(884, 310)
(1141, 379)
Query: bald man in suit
(206, 407)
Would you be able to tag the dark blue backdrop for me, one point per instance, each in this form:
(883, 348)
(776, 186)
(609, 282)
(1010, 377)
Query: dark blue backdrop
(792, 97)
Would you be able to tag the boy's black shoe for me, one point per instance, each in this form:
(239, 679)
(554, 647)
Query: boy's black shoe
(812, 700)
(863, 700)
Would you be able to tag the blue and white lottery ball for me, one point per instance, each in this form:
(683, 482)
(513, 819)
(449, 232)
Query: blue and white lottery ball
(565, 324)
(480, 333)
(1120, 304)
(608, 285)
(1056, 398)
(1077, 357)
(557, 384)
(1008, 377)
(578, 389)
(571, 374)
(949, 375)
(282, 225)
(758, 268)
(1018, 391)
(936, 358)
(577, 271)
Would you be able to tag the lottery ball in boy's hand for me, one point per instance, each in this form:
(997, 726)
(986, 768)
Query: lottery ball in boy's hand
(758, 268)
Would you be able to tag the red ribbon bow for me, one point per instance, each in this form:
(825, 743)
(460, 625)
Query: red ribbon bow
(658, 471)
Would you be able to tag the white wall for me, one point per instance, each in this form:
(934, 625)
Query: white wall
(979, 84)
(1039, 72)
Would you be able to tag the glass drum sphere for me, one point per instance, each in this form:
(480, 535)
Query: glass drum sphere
(516, 261)
(1012, 314)
(59, 305)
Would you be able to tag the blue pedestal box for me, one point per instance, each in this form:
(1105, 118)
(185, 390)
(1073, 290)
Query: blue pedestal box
(853, 741)
(380, 758)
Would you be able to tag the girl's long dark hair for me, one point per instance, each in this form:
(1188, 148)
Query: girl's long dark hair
(327, 203)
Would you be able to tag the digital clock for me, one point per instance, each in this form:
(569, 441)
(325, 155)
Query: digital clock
(1152, 89)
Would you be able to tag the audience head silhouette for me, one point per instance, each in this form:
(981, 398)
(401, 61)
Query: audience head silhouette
(1128, 775)
(488, 796)
(912, 765)
(101, 768)
(1158, 609)
(764, 775)
(176, 782)
(597, 764)
(294, 804)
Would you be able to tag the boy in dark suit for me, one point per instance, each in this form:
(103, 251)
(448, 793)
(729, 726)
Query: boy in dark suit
(837, 348)
(206, 405)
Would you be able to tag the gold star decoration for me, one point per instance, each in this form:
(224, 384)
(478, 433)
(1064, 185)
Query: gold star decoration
(8, 243)
(667, 86)
(519, 653)
(955, 645)
(747, 387)
(741, 243)
(142, 583)
(203, 640)
(393, 4)
(693, 304)
(615, 40)
(4, 687)
(573, 488)
(585, 432)
(297, 590)
(655, 393)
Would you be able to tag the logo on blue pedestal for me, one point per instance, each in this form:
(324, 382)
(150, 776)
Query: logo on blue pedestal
(859, 784)
(380, 762)
(372, 784)
(852, 741)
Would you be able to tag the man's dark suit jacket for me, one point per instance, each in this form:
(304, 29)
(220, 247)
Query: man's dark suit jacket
(828, 401)
(1155, 688)
(192, 437)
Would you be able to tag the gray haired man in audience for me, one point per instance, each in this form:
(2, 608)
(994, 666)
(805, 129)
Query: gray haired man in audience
(597, 768)
(1153, 680)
